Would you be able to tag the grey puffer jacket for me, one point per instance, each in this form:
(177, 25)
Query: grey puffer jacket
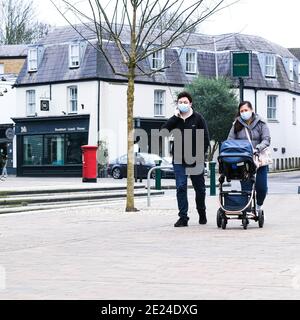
(258, 131)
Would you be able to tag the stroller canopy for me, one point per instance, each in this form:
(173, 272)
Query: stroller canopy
(235, 151)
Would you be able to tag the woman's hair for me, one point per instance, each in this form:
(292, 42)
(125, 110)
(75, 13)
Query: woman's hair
(237, 125)
(185, 94)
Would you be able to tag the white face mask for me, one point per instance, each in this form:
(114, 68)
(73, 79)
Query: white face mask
(183, 107)
(246, 115)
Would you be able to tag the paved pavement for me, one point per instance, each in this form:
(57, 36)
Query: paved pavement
(104, 253)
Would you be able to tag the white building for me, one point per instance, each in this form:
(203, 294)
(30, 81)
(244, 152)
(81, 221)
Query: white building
(12, 58)
(68, 96)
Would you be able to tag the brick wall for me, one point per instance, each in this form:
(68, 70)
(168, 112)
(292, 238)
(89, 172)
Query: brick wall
(12, 65)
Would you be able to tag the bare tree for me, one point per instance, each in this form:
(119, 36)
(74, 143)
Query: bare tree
(18, 24)
(164, 21)
(147, 36)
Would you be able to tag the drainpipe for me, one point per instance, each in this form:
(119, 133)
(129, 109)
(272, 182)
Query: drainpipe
(255, 100)
(98, 113)
(216, 58)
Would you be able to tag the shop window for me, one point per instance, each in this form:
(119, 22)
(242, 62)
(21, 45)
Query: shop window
(54, 150)
(33, 150)
(74, 141)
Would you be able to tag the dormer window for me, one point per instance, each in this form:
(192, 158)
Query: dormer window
(270, 65)
(157, 60)
(74, 55)
(191, 61)
(32, 59)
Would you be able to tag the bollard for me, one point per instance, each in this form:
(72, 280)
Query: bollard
(158, 176)
(212, 169)
(299, 190)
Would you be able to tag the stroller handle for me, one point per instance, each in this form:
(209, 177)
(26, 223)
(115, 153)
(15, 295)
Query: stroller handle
(234, 155)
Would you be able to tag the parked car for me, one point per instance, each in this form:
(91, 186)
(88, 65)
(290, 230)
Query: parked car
(143, 163)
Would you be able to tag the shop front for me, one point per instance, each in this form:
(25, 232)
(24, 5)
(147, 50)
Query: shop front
(6, 145)
(51, 146)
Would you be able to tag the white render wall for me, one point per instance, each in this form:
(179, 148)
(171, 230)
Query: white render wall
(113, 111)
(284, 134)
(113, 118)
(8, 102)
(87, 95)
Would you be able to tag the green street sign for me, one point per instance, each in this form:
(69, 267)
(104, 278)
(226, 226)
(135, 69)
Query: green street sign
(241, 64)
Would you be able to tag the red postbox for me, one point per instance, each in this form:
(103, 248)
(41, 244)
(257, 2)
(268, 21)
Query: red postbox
(89, 163)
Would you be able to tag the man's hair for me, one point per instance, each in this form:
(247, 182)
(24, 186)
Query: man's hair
(184, 94)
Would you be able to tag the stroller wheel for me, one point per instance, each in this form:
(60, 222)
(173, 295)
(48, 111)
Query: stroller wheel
(220, 214)
(224, 223)
(261, 218)
(245, 223)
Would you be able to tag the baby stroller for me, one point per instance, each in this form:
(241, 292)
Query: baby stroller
(236, 163)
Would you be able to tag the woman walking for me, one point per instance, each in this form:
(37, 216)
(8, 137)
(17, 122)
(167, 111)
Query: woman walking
(259, 134)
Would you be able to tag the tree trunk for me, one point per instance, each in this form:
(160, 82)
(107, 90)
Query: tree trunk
(130, 145)
(130, 129)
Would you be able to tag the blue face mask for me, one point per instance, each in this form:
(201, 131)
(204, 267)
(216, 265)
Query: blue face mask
(246, 115)
(183, 107)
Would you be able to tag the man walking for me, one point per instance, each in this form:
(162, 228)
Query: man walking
(184, 119)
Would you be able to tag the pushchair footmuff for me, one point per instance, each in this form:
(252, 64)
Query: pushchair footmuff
(236, 163)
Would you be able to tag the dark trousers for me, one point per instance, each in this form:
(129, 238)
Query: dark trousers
(181, 191)
(261, 184)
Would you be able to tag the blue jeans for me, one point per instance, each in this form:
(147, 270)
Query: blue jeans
(181, 191)
(261, 184)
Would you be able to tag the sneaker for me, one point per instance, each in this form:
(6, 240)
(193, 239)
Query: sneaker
(181, 223)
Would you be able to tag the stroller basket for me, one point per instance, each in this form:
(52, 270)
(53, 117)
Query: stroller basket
(236, 201)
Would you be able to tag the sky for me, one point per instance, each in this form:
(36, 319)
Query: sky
(276, 21)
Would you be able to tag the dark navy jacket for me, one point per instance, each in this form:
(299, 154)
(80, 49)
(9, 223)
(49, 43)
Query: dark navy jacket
(195, 121)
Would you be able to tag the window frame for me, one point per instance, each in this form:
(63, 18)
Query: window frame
(32, 61)
(71, 56)
(71, 100)
(158, 60)
(189, 63)
(271, 109)
(269, 66)
(159, 105)
(294, 111)
(30, 102)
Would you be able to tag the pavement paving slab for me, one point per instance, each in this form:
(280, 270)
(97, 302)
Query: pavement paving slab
(101, 252)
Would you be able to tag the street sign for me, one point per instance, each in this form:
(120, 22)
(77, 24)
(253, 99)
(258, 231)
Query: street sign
(10, 133)
(241, 64)
(44, 105)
